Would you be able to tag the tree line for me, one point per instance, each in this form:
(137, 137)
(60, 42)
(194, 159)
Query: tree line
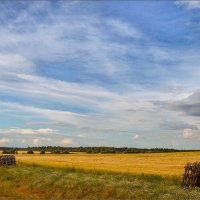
(90, 150)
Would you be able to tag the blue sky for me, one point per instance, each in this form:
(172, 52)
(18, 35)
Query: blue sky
(100, 73)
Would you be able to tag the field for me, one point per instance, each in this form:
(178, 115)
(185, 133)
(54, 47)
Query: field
(97, 176)
(148, 163)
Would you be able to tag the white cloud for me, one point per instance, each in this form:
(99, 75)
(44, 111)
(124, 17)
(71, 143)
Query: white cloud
(41, 141)
(188, 133)
(36, 141)
(66, 141)
(191, 133)
(15, 63)
(24, 141)
(5, 141)
(136, 136)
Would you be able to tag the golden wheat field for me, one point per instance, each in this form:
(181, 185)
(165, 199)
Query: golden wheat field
(148, 163)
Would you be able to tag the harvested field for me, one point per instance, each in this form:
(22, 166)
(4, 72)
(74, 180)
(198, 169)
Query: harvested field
(148, 163)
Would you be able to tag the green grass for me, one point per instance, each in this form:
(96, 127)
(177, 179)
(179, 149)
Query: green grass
(36, 182)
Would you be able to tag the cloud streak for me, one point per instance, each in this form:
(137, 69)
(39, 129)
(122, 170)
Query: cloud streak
(189, 4)
(18, 131)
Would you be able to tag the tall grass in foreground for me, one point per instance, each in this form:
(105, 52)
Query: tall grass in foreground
(36, 182)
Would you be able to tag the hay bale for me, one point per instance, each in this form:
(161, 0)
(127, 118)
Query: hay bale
(191, 177)
(8, 160)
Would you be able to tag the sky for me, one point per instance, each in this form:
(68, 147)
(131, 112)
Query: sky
(100, 73)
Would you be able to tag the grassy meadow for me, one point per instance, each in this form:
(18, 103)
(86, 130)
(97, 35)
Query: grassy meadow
(97, 176)
(39, 182)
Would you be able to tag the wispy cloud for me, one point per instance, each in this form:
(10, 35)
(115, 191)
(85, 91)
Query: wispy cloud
(69, 117)
(189, 4)
(124, 29)
(17, 131)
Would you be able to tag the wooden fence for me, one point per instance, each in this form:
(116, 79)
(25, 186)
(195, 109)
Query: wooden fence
(191, 177)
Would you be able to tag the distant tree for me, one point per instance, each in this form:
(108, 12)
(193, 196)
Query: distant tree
(42, 152)
(90, 150)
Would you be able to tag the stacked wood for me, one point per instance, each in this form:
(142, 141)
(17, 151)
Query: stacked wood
(191, 177)
(7, 160)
